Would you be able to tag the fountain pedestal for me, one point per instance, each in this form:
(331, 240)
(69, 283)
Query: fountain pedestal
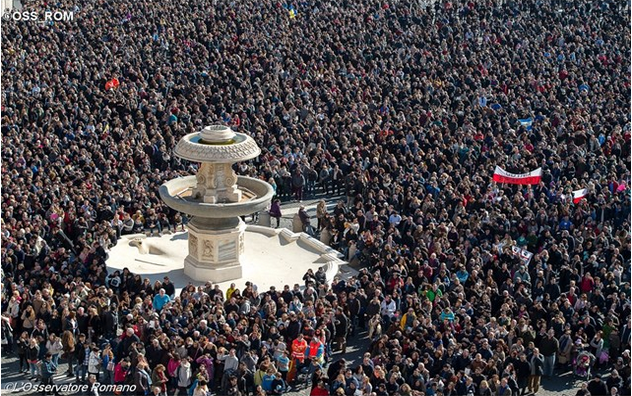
(214, 252)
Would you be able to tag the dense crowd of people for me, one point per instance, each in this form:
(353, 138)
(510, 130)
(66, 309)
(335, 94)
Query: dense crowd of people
(402, 108)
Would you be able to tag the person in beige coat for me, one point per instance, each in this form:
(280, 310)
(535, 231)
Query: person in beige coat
(321, 212)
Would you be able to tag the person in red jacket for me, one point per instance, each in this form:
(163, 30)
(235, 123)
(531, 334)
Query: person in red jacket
(299, 346)
(316, 350)
(320, 389)
(120, 371)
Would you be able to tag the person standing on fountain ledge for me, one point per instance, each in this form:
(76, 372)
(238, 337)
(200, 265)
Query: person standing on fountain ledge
(275, 211)
(306, 221)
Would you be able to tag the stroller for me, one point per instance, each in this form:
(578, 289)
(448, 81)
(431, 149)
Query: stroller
(583, 364)
(305, 371)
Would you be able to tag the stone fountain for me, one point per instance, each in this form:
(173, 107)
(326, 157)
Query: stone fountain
(215, 198)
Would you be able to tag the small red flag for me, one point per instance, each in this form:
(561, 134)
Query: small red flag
(112, 84)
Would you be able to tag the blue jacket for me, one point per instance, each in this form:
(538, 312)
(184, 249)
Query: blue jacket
(266, 383)
(48, 369)
(160, 302)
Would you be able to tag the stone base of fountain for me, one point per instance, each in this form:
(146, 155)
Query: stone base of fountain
(273, 257)
(214, 254)
(203, 272)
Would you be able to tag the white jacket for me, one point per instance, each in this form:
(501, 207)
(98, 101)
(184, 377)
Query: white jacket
(14, 309)
(94, 363)
(388, 308)
(54, 347)
(184, 375)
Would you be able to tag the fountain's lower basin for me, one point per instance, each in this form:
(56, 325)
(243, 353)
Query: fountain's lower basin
(176, 194)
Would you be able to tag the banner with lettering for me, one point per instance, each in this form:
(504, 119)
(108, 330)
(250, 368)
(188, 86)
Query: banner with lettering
(502, 176)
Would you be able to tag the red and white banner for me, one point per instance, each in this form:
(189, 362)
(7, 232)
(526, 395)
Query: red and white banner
(578, 195)
(502, 176)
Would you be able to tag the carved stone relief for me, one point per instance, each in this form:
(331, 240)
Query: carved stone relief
(193, 245)
(208, 250)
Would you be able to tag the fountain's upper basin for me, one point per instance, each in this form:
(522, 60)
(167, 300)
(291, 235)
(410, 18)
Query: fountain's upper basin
(202, 147)
(175, 193)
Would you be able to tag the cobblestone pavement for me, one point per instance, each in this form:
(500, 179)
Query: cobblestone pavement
(564, 383)
(11, 379)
